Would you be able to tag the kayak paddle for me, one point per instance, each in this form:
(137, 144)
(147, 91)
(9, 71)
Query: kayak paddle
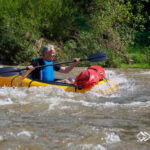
(101, 56)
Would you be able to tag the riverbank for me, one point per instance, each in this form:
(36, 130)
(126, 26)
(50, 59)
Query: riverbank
(132, 66)
(140, 66)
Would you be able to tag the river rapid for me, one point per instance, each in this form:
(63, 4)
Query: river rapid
(48, 118)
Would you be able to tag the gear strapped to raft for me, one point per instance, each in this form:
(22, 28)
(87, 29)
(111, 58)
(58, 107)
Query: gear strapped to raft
(90, 77)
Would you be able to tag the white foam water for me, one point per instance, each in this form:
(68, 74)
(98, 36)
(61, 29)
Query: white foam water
(87, 146)
(24, 133)
(112, 138)
(145, 73)
(6, 101)
(55, 96)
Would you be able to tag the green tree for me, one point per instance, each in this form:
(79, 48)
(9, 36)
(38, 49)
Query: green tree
(113, 22)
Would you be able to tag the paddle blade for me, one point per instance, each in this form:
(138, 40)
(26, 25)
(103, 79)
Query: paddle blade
(10, 71)
(101, 56)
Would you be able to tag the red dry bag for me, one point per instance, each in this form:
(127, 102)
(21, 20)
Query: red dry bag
(90, 77)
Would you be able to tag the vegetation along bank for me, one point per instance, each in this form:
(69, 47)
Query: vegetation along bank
(77, 28)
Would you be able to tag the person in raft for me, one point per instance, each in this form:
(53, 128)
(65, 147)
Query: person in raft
(47, 73)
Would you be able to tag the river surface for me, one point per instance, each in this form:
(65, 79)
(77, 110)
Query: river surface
(46, 118)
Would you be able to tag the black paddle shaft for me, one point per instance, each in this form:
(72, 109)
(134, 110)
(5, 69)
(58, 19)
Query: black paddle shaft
(101, 56)
(92, 58)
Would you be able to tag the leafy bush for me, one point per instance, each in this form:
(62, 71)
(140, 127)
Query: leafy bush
(113, 23)
(78, 28)
(142, 38)
(82, 46)
(22, 23)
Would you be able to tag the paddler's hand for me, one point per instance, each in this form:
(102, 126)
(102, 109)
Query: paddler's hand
(28, 71)
(67, 69)
(31, 68)
(76, 60)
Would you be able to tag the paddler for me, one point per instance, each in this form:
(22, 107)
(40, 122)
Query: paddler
(47, 73)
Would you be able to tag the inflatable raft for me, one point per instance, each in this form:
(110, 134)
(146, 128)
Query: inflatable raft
(13, 79)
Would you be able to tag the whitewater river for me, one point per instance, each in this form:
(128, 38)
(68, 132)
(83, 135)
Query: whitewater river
(46, 118)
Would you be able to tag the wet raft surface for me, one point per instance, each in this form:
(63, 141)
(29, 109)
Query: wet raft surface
(47, 118)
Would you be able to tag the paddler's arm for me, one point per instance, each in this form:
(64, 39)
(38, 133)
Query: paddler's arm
(67, 69)
(27, 72)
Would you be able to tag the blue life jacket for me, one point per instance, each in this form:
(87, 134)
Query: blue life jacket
(47, 73)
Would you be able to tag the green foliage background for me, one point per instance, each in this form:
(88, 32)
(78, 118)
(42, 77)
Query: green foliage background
(77, 29)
